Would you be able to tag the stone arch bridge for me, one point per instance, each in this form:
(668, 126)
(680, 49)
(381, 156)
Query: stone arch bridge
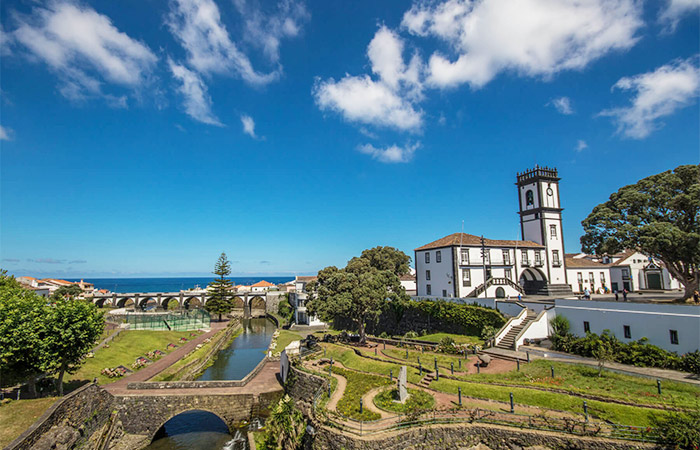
(248, 304)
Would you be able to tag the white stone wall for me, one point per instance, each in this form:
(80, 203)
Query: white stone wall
(650, 320)
(440, 273)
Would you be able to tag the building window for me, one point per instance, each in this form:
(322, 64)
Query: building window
(529, 198)
(509, 274)
(625, 274)
(538, 258)
(438, 256)
(427, 257)
(674, 336)
(428, 291)
(579, 278)
(427, 275)
(523, 254)
(591, 278)
(628, 332)
(465, 256)
(444, 292)
(553, 231)
(466, 278)
(506, 257)
(602, 280)
(486, 255)
(586, 327)
(555, 258)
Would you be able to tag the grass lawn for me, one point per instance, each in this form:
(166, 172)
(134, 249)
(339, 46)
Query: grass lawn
(458, 338)
(427, 359)
(350, 360)
(16, 416)
(621, 414)
(358, 385)
(417, 401)
(584, 379)
(124, 350)
(283, 340)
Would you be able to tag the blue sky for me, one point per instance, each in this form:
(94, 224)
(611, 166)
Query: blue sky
(143, 138)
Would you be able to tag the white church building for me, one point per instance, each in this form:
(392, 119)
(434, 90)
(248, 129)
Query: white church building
(464, 265)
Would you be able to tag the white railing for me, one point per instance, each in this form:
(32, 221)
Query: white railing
(512, 322)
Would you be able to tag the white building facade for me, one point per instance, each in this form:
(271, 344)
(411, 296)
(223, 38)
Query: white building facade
(298, 300)
(464, 265)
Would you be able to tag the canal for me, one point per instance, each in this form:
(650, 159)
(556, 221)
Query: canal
(201, 430)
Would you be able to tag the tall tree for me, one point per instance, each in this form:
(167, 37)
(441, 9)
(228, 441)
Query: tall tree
(359, 292)
(71, 291)
(388, 258)
(658, 216)
(220, 300)
(72, 328)
(22, 314)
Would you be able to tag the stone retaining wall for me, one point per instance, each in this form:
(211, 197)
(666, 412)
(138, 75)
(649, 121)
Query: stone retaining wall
(465, 436)
(303, 386)
(68, 422)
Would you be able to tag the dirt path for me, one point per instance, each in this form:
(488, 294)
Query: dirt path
(368, 402)
(338, 393)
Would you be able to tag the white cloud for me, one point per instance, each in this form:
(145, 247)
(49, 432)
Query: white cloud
(387, 101)
(530, 37)
(267, 30)
(391, 154)
(656, 94)
(563, 105)
(5, 134)
(581, 145)
(196, 101)
(84, 48)
(248, 126)
(675, 10)
(196, 24)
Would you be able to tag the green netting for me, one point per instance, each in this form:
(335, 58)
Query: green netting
(172, 320)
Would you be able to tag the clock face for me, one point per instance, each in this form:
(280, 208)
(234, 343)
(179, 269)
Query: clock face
(550, 191)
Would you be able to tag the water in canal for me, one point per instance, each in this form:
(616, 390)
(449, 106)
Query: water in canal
(201, 430)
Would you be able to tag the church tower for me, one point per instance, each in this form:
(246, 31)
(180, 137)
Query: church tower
(540, 220)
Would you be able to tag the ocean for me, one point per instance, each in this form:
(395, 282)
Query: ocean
(121, 285)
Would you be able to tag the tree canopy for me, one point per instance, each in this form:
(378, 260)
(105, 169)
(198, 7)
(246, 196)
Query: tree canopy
(361, 290)
(71, 291)
(658, 216)
(40, 337)
(220, 301)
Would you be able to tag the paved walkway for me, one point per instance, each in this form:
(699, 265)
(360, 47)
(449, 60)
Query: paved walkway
(649, 372)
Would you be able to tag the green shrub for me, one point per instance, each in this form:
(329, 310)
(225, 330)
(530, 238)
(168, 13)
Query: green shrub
(470, 319)
(384, 335)
(488, 332)
(690, 362)
(678, 430)
(411, 335)
(447, 345)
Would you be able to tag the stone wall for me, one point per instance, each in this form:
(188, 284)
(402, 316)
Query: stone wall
(464, 436)
(68, 422)
(303, 386)
(273, 300)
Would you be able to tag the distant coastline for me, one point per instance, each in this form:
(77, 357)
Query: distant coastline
(163, 284)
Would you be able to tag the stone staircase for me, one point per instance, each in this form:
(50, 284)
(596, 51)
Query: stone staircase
(548, 290)
(427, 379)
(508, 341)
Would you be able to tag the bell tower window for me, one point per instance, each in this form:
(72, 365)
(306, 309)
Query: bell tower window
(529, 198)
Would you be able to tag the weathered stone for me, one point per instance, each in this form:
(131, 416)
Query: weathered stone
(403, 393)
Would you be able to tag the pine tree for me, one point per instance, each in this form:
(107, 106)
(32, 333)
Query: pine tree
(220, 301)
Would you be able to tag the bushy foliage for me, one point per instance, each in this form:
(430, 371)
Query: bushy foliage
(285, 428)
(447, 345)
(488, 332)
(411, 335)
(471, 319)
(678, 429)
(637, 353)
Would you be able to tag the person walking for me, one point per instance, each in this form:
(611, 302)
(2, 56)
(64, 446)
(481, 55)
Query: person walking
(696, 296)
(617, 296)
(586, 294)
(624, 295)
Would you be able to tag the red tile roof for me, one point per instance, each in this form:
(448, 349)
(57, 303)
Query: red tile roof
(572, 262)
(262, 283)
(470, 240)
